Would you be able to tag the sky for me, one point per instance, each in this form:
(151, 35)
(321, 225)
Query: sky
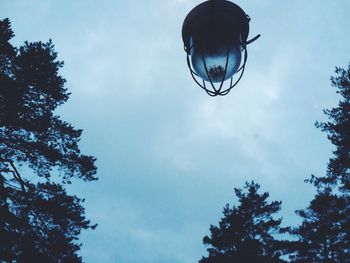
(168, 155)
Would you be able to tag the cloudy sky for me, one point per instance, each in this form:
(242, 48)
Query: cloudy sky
(169, 155)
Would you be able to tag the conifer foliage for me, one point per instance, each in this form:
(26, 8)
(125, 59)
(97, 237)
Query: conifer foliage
(324, 235)
(338, 132)
(30, 90)
(39, 222)
(321, 234)
(246, 232)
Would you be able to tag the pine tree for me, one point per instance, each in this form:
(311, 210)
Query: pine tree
(324, 235)
(321, 234)
(39, 222)
(30, 91)
(246, 232)
(338, 132)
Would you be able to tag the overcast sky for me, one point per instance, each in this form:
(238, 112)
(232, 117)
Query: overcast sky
(169, 155)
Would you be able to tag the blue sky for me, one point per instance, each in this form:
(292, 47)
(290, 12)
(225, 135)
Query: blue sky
(168, 155)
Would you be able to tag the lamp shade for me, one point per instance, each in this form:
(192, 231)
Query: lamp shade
(215, 40)
(217, 63)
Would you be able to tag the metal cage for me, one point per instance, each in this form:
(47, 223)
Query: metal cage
(226, 18)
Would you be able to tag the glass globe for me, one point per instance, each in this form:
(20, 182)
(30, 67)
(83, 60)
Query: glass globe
(215, 60)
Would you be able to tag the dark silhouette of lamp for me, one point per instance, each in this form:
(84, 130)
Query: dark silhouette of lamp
(215, 39)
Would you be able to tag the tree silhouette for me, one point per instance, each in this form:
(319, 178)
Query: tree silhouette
(321, 235)
(30, 91)
(324, 235)
(245, 233)
(338, 132)
(39, 222)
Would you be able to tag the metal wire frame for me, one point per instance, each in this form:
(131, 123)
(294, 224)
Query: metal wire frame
(219, 92)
